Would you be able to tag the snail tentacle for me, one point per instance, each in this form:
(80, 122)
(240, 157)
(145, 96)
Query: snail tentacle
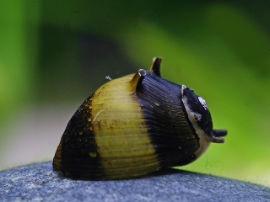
(155, 66)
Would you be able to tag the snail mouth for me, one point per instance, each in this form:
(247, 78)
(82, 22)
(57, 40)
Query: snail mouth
(217, 135)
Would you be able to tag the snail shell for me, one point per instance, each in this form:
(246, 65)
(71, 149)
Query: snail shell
(133, 126)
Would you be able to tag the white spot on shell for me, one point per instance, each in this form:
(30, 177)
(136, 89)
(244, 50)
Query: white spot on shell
(108, 77)
(182, 89)
(202, 101)
(97, 115)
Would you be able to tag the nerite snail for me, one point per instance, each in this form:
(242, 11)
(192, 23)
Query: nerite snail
(133, 126)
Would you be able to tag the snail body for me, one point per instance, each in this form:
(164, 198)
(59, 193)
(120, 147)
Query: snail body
(133, 126)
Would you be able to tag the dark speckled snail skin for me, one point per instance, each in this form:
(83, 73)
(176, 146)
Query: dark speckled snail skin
(133, 126)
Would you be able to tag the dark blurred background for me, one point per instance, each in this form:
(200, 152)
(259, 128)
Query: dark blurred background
(54, 54)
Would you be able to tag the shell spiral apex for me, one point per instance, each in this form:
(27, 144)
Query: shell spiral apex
(133, 126)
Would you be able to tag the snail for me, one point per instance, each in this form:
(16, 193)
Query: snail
(133, 126)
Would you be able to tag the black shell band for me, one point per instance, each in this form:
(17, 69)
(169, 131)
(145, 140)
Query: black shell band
(77, 155)
(172, 136)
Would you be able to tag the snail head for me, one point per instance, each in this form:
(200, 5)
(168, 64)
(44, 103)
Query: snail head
(199, 115)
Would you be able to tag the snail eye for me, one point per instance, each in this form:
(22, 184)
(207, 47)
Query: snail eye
(197, 116)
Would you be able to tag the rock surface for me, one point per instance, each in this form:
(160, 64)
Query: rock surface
(36, 182)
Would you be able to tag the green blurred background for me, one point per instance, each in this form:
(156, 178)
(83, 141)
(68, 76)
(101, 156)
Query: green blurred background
(53, 54)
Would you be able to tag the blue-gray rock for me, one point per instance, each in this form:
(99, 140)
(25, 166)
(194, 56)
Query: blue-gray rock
(37, 182)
